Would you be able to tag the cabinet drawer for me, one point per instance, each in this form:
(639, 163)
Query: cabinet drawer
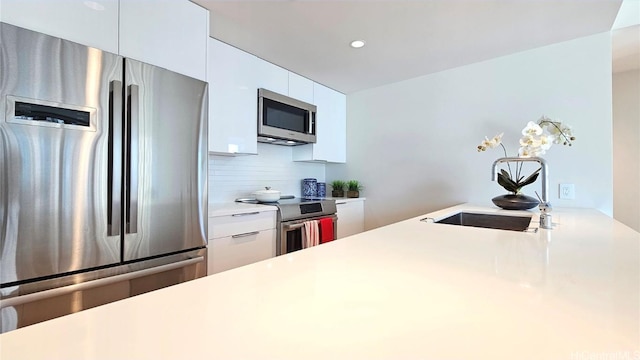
(234, 251)
(221, 226)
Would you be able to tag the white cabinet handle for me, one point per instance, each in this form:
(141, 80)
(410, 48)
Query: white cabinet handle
(247, 214)
(245, 234)
(341, 203)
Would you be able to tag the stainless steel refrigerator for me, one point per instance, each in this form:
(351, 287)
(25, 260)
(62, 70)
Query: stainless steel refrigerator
(103, 166)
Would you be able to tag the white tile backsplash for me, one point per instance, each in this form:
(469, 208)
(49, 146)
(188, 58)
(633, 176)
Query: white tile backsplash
(232, 177)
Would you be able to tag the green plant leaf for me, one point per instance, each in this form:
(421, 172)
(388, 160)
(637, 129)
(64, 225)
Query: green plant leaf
(507, 183)
(354, 185)
(530, 179)
(338, 185)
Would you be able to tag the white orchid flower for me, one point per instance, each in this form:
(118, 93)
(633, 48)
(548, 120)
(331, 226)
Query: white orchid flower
(493, 142)
(497, 139)
(525, 152)
(532, 129)
(490, 143)
(546, 141)
(530, 141)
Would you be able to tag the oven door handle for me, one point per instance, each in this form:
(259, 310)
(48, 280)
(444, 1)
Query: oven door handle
(293, 227)
(287, 227)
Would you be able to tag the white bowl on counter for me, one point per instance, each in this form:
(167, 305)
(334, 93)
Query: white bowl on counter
(267, 195)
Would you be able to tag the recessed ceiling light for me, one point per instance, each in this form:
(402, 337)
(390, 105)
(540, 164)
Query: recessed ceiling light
(356, 44)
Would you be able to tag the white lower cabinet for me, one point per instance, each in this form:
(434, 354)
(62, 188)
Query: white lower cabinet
(350, 217)
(240, 239)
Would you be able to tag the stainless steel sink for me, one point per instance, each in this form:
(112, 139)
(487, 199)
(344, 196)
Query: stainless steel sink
(490, 221)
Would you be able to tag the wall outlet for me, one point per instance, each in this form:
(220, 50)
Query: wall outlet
(567, 191)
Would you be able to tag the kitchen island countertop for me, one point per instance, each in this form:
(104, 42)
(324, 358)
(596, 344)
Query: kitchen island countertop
(410, 290)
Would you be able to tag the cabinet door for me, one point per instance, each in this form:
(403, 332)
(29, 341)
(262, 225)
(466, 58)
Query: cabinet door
(300, 88)
(242, 249)
(91, 23)
(331, 128)
(271, 77)
(350, 217)
(233, 100)
(170, 34)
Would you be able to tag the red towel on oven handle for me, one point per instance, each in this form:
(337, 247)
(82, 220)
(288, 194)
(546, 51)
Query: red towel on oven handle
(326, 230)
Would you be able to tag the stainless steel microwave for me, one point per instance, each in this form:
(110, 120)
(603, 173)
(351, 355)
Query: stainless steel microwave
(285, 121)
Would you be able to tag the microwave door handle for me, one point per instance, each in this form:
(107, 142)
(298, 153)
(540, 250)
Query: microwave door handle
(133, 110)
(114, 178)
(311, 121)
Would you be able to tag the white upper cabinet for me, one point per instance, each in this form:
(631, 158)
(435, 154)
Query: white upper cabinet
(234, 78)
(233, 100)
(300, 88)
(271, 77)
(170, 34)
(331, 120)
(91, 23)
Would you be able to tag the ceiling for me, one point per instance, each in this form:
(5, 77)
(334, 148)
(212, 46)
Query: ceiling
(404, 39)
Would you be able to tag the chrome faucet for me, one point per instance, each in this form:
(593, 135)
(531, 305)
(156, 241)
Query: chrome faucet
(545, 205)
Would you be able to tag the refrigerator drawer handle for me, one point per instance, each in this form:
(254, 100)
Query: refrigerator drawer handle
(245, 234)
(41, 295)
(132, 159)
(114, 178)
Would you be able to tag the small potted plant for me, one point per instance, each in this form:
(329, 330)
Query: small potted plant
(353, 188)
(338, 188)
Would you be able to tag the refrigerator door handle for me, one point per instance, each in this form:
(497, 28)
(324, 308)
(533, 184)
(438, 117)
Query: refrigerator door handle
(114, 179)
(132, 159)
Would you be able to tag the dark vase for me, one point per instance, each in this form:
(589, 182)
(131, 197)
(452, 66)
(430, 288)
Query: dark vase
(337, 193)
(515, 202)
(353, 193)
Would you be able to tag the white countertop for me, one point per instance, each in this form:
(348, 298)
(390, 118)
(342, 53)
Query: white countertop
(230, 208)
(345, 199)
(411, 290)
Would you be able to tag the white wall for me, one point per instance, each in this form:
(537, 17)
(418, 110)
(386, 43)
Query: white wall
(626, 147)
(235, 177)
(413, 143)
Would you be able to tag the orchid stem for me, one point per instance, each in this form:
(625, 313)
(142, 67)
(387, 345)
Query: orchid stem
(559, 130)
(505, 155)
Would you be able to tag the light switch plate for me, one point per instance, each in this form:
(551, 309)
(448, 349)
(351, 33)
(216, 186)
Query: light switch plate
(567, 191)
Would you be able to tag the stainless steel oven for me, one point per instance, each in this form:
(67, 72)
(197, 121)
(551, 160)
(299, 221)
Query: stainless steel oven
(293, 213)
(290, 233)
